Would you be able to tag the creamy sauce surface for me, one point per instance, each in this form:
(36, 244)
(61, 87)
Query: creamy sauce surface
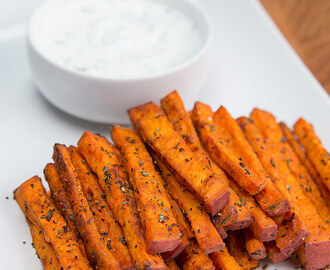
(119, 38)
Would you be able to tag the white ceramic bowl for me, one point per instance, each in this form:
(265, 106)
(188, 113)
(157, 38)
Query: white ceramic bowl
(106, 100)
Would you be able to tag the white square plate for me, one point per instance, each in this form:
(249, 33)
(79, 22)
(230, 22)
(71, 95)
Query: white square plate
(253, 66)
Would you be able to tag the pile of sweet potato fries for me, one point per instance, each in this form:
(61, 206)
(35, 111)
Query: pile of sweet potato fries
(183, 190)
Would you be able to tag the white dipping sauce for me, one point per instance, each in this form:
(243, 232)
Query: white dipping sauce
(119, 38)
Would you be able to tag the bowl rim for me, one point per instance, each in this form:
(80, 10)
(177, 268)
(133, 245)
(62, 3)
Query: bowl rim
(209, 36)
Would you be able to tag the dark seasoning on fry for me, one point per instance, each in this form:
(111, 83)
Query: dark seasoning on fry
(183, 190)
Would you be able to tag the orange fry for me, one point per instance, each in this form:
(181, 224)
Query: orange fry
(254, 246)
(273, 253)
(194, 258)
(223, 260)
(184, 227)
(159, 134)
(184, 224)
(221, 147)
(244, 220)
(103, 159)
(315, 151)
(263, 227)
(97, 252)
(206, 234)
(301, 153)
(295, 156)
(44, 249)
(61, 201)
(235, 243)
(181, 122)
(315, 253)
(293, 231)
(107, 225)
(170, 255)
(225, 143)
(162, 231)
(34, 202)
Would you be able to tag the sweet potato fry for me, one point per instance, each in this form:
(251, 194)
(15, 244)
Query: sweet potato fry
(177, 115)
(230, 145)
(273, 253)
(193, 258)
(182, 221)
(97, 252)
(184, 224)
(224, 261)
(57, 192)
(103, 159)
(221, 142)
(33, 200)
(206, 234)
(311, 188)
(181, 122)
(298, 149)
(61, 201)
(44, 250)
(229, 214)
(270, 200)
(245, 218)
(159, 134)
(162, 230)
(263, 227)
(301, 153)
(184, 227)
(254, 246)
(221, 220)
(235, 243)
(170, 255)
(171, 265)
(315, 252)
(315, 151)
(293, 231)
(259, 145)
(107, 225)
(221, 231)
(231, 217)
